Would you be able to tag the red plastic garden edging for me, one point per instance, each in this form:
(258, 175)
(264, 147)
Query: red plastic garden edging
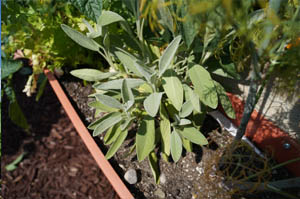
(268, 137)
(95, 151)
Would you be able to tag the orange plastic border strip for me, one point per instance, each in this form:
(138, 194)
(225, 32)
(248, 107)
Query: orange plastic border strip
(268, 137)
(102, 162)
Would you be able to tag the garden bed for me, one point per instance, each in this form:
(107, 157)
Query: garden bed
(191, 177)
(57, 164)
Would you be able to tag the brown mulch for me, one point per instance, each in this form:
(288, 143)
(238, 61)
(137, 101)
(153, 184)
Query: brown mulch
(57, 165)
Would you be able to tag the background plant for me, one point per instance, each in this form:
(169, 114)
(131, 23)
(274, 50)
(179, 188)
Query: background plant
(34, 28)
(256, 36)
(8, 68)
(163, 90)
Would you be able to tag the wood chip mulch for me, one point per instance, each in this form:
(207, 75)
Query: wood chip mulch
(57, 165)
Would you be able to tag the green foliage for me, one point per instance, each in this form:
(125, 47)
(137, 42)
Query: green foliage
(165, 83)
(9, 67)
(34, 28)
(149, 87)
(90, 8)
(13, 165)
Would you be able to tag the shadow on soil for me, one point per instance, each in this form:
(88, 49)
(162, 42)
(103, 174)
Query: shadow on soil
(14, 137)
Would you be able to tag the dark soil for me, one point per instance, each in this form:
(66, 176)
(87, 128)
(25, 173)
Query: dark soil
(57, 164)
(195, 175)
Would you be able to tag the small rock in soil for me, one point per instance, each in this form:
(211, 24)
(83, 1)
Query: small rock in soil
(162, 178)
(131, 176)
(159, 193)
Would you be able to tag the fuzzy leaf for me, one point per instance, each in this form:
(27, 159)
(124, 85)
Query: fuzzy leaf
(145, 138)
(112, 134)
(143, 71)
(109, 101)
(152, 102)
(128, 61)
(194, 100)
(225, 101)
(187, 144)
(117, 84)
(168, 55)
(127, 123)
(183, 122)
(193, 135)
(204, 85)
(91, 74)
(107, 123)
(176, 146)
(98, 105)
(126, 92)
(165, 130)
(153, 163)
(109, 17)
(186, 109)
(173, 88)
(80, 38)
(95, 123)
(116, 145)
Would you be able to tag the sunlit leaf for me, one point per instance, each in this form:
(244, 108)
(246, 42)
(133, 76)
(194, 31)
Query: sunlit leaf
(113, 119)
(109, 101)
(127, 123)
(126, 92)
(91, 74)
(128, 61)
(117, 84)
(186, 109)
(165, 130)
(116, 145)
(183, 122)
(145, 138)
(187, 144)
(176, 146)
(152, 102)
(98, 105)
(153, 162)
(168, 55)
(173, 88)
(109, 17)
(193, 135)
(80, 38)
(112, 134)
(204, 85)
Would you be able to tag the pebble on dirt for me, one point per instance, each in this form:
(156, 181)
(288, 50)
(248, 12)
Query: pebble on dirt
(162, 178)
(159, 193)
(131, 176)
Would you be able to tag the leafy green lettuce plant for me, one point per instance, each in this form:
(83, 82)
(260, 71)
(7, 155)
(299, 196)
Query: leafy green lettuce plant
(166, 94)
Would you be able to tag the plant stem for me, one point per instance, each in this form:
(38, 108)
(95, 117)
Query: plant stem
(274, 167)
(252, 96)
